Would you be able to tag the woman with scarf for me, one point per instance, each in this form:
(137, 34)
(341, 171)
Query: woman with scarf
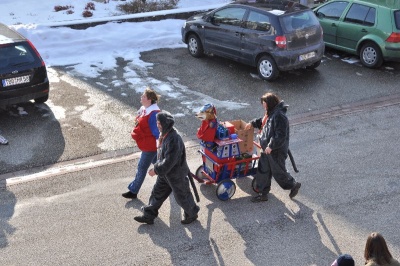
(274, 142)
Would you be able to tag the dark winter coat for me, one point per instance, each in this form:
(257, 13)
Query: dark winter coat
(275, 133)
(171, 155)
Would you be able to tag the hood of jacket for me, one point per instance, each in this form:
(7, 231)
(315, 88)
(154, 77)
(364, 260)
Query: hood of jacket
(280, 107)
(166, 120)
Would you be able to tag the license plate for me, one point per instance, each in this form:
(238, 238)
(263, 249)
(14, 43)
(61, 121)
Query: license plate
(15, 81)
(306, 56)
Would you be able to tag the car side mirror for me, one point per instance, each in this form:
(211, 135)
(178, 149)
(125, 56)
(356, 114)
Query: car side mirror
(319, 14)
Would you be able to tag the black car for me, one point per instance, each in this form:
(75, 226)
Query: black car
(270, 35)
(23, 74)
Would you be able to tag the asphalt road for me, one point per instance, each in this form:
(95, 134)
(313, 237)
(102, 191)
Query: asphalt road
(350, 187)
(87, 117)
(77, 150)
(77, 154)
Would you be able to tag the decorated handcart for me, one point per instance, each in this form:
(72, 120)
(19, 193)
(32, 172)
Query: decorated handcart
(231, 155)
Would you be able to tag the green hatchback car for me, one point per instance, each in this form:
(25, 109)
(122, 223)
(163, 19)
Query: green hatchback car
(367, 28)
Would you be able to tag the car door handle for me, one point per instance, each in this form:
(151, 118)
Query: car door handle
(333, 24)
(364, 30)
(237, 33)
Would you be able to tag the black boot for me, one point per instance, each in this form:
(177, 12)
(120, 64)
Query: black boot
(144, 220)
(189, 220)
(129, 195)
(295, 190)
(260, 197)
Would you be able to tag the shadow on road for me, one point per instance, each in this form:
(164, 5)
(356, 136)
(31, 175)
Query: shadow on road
(269, 227)
(34, 134)
(7, 207)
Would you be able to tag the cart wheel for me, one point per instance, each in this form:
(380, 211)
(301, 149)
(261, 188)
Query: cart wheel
(225, 189)
(254, 185)
(200, 174)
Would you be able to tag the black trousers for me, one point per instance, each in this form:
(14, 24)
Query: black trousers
(273, 165)
(163, 187)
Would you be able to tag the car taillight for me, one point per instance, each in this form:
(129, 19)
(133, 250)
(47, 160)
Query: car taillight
(280, 41)
(394, 37)
(37, 53)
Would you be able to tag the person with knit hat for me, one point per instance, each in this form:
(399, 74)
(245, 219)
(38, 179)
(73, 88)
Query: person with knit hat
(344, 260)
(172, 172)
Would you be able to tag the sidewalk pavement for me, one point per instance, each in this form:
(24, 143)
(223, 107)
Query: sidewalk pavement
(350, 187)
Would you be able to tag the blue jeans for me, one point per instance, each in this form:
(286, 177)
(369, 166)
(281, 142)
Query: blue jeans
(146, 158)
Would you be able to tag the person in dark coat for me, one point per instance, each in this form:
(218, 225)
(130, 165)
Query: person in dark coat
(274, 142)
(172, 172)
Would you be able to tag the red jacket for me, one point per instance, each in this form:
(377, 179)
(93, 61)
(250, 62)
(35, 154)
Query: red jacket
(142, 133)
(207, 130)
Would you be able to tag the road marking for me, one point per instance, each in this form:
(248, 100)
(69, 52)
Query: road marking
(113, 157)
(346, 109)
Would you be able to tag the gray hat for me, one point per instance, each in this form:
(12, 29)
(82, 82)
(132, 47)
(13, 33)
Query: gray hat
(166, 120)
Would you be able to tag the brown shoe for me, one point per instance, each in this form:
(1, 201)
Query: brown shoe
(295, 190)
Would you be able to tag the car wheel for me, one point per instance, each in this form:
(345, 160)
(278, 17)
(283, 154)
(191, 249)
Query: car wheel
(315, 65)
(370, 55)
(267, 68)
(195, 47)
(42, 99)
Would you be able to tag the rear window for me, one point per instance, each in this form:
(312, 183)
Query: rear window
(15, 54)
(361, 14)
(258, 21)
(299, 21)
(397, 18)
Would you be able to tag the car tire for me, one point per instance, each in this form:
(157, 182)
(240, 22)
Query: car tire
(42, 99)
(195, 47)
(267, 68)
(314, 66)
(371, 55)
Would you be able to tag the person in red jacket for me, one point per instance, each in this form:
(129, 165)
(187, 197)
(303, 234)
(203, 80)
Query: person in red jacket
(145, 133)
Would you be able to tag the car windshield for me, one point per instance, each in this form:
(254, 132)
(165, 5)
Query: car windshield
(15, 54)
(297, 21)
